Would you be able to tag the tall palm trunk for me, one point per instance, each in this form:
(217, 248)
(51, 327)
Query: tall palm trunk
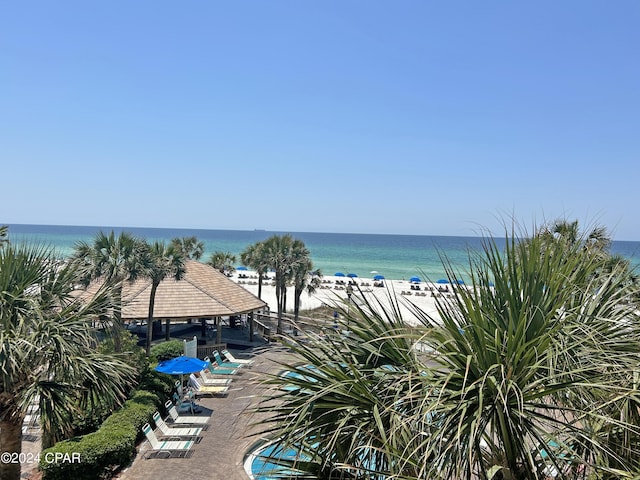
(260, 278)
(280, 298)
(296, 303)
(152, 301)
(116, 328)
(219, 330)
(167, 327)
(10, 447)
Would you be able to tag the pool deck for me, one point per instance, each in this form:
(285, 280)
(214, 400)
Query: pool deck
(220, 453)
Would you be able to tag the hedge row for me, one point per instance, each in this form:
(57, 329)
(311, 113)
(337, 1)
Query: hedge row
(109, 448)
(167, 350)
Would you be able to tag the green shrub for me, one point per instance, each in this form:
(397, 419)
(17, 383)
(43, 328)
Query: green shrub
(98, 454)
(167, 350)
(159, 383)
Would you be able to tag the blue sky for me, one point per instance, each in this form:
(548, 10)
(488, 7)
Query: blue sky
(415, 117)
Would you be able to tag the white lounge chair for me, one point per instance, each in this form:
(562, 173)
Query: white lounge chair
(171, 448)
(200, 389)
(184, 419)
(229, 356)
(206, 379)
(224, 364)
(167, 431)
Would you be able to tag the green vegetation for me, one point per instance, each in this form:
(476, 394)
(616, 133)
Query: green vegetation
(223, 262)
(167, 350)
(191, 247)
(161, 262)
(48, 349)
(103, 452)
(112, 260)
(291, 262)
(531, 371)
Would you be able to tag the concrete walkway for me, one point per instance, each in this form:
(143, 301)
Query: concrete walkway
(220, 453)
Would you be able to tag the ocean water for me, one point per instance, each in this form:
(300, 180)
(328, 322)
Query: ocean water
(394, 256)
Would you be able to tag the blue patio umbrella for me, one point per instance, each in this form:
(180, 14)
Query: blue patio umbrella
(242, 268)
(415, 280)
(443, 280)
(338, 274)
(460, 282)
(181, 365)
(379, 277)
(351, 275)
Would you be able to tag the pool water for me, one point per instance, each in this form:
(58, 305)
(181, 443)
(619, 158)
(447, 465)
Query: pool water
(262, 465)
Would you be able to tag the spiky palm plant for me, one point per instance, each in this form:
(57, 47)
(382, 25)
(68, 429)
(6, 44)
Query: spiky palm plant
(523, 370)
(48, 348)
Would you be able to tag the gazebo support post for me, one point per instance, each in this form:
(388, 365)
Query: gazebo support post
(250, 318)
(219, 332)
(167, 329)
(203, 324)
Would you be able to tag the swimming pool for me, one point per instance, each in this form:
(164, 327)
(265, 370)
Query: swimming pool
(263, 462)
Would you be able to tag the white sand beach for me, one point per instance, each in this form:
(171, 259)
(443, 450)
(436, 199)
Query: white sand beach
(333, 289)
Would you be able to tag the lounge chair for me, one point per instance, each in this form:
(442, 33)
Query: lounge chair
(167, 431)
(180, 448)
(208, 380)
(184, 419)
(216, 370)
(231, 358)
(224, 364)
(200, 389)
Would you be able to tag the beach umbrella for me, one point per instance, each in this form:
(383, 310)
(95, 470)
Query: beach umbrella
(415, 280)
(242, 268)
(460, 282)
(379, 277)
(338, 274)
(181, 366)
(443, 280)
(352, 275)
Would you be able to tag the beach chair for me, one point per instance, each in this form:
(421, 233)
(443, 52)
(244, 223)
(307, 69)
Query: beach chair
(216, 370)
(186, 405)
(208, 380)
(200, 389)
(177, 448)
(223, 364)
(167, 431)
(174, 417)
(231, 358)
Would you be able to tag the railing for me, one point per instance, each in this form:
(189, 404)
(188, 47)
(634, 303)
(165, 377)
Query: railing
(207, 350)
(267, 325)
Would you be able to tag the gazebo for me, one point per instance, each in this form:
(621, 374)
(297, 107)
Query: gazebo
(203, 293)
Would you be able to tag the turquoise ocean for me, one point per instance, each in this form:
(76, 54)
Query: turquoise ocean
(396, 257)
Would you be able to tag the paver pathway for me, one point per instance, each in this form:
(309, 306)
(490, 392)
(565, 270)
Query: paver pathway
(221, 452)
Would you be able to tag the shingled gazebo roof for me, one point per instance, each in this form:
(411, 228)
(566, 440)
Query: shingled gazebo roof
(203, 292)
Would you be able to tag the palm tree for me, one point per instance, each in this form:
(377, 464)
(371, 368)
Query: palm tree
(113, 260)
(597, 240)
(191, 247)
(48, 349)
(223, 262)
(532, 367)
(255, 258)
(278, 253)
(304, 277)
(163, 262)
